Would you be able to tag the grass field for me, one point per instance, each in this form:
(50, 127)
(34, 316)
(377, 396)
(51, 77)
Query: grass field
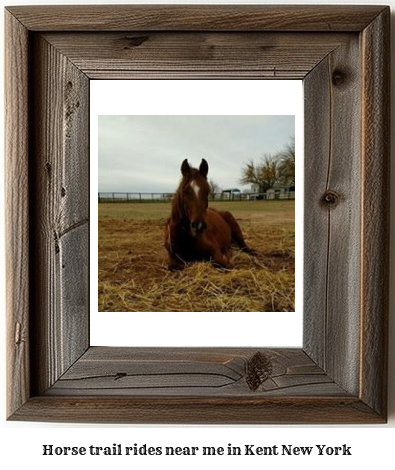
(133, 274)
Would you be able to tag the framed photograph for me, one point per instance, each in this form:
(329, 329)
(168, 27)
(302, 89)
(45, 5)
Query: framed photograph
(138, 167)
(339, 374)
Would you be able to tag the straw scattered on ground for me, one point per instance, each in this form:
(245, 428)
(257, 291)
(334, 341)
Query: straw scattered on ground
(133, 274)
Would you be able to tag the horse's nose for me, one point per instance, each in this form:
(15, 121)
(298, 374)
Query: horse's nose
(199, 226)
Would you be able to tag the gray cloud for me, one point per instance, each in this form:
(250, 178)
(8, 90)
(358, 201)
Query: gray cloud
(144, 153)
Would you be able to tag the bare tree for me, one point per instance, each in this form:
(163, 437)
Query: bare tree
(265, 174)
(287, 164)
(273, 169)
(270, 171)
(214, 188)
(250, 174)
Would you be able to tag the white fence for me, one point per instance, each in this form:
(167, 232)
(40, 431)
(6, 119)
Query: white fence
(166, 197)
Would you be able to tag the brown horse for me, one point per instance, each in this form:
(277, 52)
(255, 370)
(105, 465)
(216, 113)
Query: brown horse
(195, 232)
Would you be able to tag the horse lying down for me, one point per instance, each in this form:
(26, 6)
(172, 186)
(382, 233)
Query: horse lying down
(196, 232)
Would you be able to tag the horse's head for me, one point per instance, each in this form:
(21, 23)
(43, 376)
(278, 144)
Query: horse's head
(195, 190)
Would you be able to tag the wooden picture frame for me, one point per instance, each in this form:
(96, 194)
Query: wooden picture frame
(340, 374)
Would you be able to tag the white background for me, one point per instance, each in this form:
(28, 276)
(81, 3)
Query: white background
(197, 97)
(21, 443)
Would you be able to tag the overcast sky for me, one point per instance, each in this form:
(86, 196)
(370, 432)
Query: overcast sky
(144, 153)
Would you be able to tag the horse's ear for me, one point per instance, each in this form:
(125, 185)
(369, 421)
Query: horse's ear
(185, 168)
(203, 168)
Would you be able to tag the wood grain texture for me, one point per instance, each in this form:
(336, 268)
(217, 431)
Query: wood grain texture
(74, 296)
(375, 211)
(333, 159)
(195, 54)
(17, 212)
(194, 372)
(339, 376)
(317, 115)
(198, 410)
(196, 17)
(60, 213)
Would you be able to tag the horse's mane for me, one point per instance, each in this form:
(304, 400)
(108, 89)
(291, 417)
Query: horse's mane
(177, 210)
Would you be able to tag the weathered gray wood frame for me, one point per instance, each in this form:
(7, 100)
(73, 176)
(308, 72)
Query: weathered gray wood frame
(340, 374)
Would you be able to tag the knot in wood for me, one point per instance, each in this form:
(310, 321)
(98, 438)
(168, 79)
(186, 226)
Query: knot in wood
(259, 369)
(134, 41)
(339, 77)
(330, 199)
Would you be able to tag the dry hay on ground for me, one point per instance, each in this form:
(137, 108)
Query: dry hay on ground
(133, 274)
